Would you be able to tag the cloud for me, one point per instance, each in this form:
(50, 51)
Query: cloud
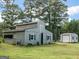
(73, 10)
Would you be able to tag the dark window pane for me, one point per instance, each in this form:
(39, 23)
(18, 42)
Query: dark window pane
(72, 38)
(8, 36)
(32, 37)
(48, 37)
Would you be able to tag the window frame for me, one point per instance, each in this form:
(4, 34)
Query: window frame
(32, 37)
(48, 37)
(8, 36)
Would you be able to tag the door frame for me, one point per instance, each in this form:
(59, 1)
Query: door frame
(66, 39)
(41, 38)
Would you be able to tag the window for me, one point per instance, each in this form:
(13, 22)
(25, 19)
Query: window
(8, 36)
(32, 37)
(76, 37)
(48, 37)
(72, 38)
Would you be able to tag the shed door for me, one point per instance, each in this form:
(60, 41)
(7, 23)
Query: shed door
(65, 38)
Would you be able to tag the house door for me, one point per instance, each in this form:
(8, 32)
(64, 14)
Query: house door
(42, 38)
(66, 39)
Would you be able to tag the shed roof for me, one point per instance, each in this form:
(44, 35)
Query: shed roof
(68, 33)
(11, 31)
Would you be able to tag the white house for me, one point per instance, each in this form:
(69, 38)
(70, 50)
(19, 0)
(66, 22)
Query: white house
(29, 33)
(68, 37)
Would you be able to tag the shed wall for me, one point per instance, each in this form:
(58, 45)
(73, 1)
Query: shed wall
(72, 37)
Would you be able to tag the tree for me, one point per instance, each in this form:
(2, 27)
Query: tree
(50, 11)
(1, 28)
(71, 27)
(58, 12)
(1, 32)
(28, 9)
(35, 8)
(10, 13)
(64, 27)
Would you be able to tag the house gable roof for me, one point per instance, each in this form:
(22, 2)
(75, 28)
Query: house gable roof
(26, 23)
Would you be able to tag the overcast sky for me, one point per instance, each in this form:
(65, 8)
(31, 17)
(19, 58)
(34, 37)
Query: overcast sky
(73, 8)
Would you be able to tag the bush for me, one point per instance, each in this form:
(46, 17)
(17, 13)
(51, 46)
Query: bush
(29, 44)
(38, 43)
(1, 39)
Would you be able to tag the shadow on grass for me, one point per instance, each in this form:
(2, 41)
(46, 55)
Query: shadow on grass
(30, 45)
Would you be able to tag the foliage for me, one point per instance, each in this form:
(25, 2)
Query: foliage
(50, 11)
(10, 13)
(1, 39)
(57, 14)
(71, 27)
(35, 8)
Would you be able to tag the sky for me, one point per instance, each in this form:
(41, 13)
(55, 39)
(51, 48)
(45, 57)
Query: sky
(73, 8)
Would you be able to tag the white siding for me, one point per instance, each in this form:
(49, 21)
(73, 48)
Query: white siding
(20, 37)
(37, 32)
(32, 31)
(69, 37)
(47, 33)
(66, 38)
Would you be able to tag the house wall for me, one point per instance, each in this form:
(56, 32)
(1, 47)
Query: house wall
(41, 25)
(20, 37)
(41, 29)
(37, 32)
(74, 38)
(10, 41)
(32, 31)
(45, 34)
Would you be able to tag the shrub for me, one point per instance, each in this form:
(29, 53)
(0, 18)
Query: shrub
(38, 43)
(29, 44)
(1, 39)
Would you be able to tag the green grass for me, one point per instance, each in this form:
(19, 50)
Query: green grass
(53, 51)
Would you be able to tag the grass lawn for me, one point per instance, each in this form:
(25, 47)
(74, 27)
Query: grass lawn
(53, 51)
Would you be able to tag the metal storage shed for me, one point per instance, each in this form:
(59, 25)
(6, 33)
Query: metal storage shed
(68, 37)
